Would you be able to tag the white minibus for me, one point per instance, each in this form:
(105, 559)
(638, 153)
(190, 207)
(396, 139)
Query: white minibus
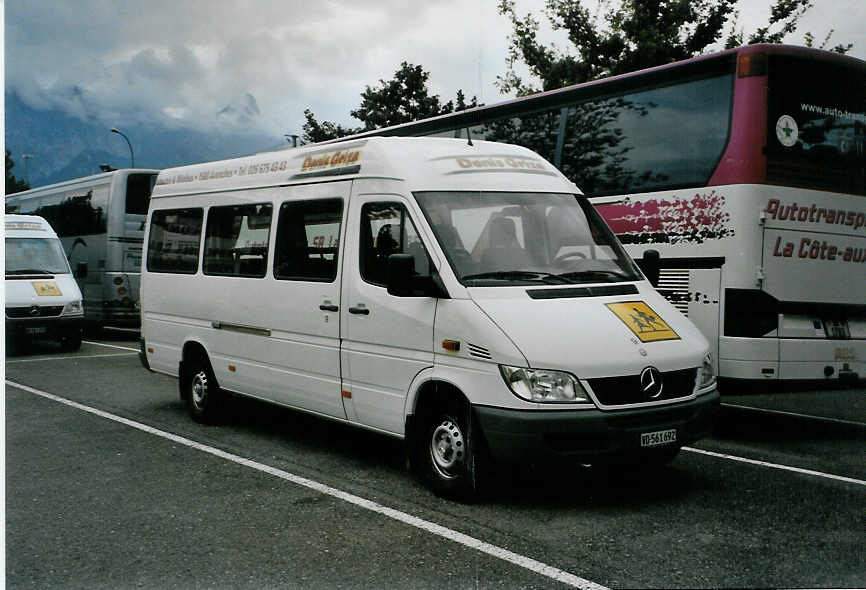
(42, 297)
(462, 296)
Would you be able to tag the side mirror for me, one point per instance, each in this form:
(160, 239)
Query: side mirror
(651, 266)
(400, 274)
(81, 270)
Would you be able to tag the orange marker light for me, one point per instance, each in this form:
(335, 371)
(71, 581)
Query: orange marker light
(451, 345)
(232, 368)
(346, 394)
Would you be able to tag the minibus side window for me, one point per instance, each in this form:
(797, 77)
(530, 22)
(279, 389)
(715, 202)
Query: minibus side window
(308, 240)
(387, 229)
(174, 239)
(236, 240)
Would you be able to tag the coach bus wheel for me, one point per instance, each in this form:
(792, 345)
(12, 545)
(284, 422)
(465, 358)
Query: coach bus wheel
(447, 453)
(202, 393)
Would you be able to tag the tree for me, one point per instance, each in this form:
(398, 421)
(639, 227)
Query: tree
(402, 99)
(623, 36)
(13, 185)
(630, 35)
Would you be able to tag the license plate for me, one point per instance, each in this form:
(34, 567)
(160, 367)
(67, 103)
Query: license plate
(39, 330)
(660, 437)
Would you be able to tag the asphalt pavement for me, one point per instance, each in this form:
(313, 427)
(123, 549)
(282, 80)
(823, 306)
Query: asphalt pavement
(110, 485)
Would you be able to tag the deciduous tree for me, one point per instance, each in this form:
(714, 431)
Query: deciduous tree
(13, 185)
(404, 98)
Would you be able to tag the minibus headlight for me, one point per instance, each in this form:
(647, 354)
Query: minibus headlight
(540, 385)
(708, 375)
(73, 308)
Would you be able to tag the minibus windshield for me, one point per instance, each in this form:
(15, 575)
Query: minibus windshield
(503, 239)
(35, 256)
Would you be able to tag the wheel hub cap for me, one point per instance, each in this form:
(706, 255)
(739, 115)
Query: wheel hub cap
(199, 388)
(447, 449)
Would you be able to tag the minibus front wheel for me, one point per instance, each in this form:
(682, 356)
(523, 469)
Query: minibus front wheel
(446, 450)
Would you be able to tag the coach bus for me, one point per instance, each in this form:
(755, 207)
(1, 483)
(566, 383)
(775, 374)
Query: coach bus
(100, 221)
(745, 170)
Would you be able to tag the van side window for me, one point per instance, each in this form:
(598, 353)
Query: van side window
(308, 240)
(175, 235)
(236, 240)
(387, 229)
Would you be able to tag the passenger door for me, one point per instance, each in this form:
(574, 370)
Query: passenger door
(305, 301)
(387, 340)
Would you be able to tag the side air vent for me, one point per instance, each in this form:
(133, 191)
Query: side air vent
(674, 286)
(478, 351)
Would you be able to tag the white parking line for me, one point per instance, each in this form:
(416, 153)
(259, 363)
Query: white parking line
(777, 466)
(528, 563)
(110, 345)
(67, 358)
(796, 415)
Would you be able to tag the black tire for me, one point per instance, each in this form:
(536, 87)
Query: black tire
(448, 451)
(201, 392)
(71, 341)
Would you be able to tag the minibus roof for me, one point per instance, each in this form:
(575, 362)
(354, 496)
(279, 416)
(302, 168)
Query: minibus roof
(27, 226)
(426, 163)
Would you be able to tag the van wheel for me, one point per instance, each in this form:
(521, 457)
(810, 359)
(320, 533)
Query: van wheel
(446, 452)
(201, 392)
(71, 341)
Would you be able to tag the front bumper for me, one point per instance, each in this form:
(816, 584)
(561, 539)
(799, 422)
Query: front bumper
(519, 436)
(52, 327)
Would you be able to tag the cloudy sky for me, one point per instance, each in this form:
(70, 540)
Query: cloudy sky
(184, 60)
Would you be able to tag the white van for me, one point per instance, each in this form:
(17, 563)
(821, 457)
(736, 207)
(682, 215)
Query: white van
(42, 297)
(463, 296)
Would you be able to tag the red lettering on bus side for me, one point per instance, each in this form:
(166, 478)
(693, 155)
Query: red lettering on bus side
(803, 252)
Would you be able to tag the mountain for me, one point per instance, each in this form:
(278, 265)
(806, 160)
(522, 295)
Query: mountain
(66, 146)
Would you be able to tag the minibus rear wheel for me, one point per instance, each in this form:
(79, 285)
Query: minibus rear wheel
(201, 392)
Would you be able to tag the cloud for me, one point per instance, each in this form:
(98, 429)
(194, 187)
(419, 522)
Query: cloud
(182, 63)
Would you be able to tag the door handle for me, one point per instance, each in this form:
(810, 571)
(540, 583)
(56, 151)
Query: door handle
(359, 310)
(328, 307)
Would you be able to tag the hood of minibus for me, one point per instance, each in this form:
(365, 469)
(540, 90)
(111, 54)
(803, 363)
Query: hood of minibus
(590, 336)
(58, 290)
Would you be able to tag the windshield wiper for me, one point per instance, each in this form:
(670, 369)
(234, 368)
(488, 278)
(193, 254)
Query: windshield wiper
(608, 276)
(30, 271)
(520, 275)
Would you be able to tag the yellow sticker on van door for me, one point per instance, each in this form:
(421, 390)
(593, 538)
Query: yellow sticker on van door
(643, 321)
(46, 288)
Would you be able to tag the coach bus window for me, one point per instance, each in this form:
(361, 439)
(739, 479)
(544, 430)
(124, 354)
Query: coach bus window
(236, 240)
(77, 212)
(816, 132)
(308, 240)
(536, 131)
(138, 189)
(660, 138)
(174, 240)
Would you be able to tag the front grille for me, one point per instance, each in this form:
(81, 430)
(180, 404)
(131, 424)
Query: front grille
(617, 391)
(45, 311)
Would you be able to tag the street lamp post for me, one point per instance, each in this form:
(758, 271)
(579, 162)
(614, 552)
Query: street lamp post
(26, 157)
(131, 154)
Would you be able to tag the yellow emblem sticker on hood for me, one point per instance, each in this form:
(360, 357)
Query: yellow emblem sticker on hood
(643, 321)
(46, 288)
